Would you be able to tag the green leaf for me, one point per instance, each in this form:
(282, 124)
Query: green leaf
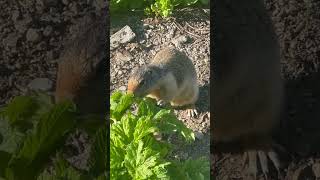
(142, 162)
(144, 127)
(147, 107)
(198, 169)
(205, 2)
(10, 137)
(42, 141)
(20, 108)
(5, 158)
(44, 101)
(62, 170)
(190, 2)
(191, 169)
(99, 152)
(168, 123)
(90, 123)
(102, 177)
(117, 155)
(122, 106)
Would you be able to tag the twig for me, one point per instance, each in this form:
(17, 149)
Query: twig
(197, 29)
(184, 30)
(223, 159)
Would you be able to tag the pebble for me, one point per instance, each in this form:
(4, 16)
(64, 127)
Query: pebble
(52, 55)
(122, 88)
(199, 135)
(11, 40)
(15, 15)
(33, 35)
(43, 84)
(99, 4)
(124, 35)
(47, 30)
(180, 40)
(65, 2)
(123, 56)
(316, 170)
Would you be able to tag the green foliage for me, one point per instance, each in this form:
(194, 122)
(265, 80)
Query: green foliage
(20, 109)
(135, 153)
(33, 129)
(193, 169)
(99, 152)
(62, 170)
(163, 8)
(42, 141)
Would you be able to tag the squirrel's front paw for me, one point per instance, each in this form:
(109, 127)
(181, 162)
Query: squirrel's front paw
(192, 113)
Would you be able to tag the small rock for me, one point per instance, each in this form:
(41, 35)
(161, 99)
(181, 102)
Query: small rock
(126, 56)
(15, 15)
(43, 84)
(51, 55)
(142, 41)
(65, 2)
(316, 170)
(148, 26)
(17, 66)
(199, 135)
(41, 46)
(21, 25)
(74, 8)
(184, 155)
(122, 88)
(11, 40)
(180, 40)
(33, 35)
(99, 4)
(124, 35)
(170, 34)
(47, 30)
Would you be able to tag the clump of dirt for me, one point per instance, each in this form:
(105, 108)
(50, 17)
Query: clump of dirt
(187, 30)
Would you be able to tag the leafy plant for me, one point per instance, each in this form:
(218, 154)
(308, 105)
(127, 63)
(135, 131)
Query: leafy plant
(135, 153)
(33, 130)
(163, 8)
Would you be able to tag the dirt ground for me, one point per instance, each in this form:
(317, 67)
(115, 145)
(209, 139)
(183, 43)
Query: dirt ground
(188, 30)
(33, 34)
(297, 26)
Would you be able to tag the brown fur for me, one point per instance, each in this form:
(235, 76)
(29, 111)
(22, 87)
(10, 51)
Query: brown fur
(79, 61)
(178, 83)
(248, 90)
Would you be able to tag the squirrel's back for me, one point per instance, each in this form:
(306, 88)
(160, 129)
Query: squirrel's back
(80, 59)
(176, 62)
(248, 90)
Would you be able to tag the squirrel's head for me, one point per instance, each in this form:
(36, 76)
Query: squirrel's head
(143, 80)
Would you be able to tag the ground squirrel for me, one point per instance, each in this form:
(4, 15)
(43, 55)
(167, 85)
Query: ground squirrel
(247, 85)
(80, 62)
(170, 77)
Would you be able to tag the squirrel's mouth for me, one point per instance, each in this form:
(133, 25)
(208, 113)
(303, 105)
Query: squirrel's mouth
(133, 87)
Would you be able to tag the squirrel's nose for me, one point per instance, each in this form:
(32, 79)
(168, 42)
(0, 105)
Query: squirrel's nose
(132, 86)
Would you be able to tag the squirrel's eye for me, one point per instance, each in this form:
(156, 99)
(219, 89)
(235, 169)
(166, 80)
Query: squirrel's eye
(142, 82)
